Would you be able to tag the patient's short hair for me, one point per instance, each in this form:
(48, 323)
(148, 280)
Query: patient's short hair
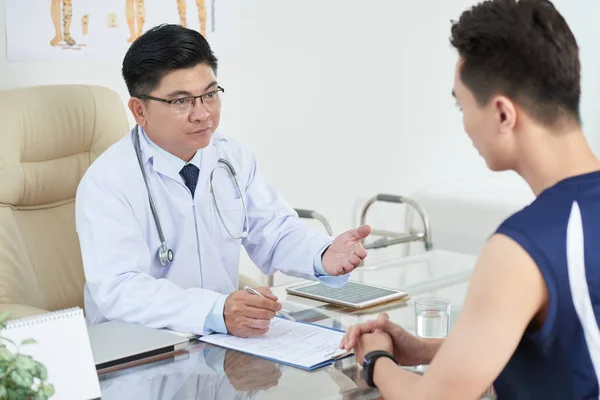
(161, 50)
(524, 50)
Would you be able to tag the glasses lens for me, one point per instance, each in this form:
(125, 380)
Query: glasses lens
(182, 105)
(211, 98)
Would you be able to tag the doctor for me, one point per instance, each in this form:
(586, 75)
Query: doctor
(162, 214)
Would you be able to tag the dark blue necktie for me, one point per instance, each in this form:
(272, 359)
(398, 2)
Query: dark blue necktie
(189, 173)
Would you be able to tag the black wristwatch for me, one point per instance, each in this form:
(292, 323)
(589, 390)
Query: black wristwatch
(369, 365)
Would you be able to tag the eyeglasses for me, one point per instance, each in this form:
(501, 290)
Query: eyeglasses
(184, 105)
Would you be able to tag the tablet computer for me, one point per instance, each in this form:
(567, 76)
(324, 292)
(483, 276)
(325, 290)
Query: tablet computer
(352, 294)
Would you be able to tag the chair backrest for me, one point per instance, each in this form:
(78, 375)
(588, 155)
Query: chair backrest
(49, 136)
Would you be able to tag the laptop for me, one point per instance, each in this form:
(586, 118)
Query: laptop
(115, 343)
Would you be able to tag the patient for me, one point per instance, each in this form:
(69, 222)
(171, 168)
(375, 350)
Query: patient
(529, 324)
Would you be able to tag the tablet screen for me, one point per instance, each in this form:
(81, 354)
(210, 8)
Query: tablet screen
(351, 292)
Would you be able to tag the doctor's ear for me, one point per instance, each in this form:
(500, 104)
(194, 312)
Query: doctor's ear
(138, 110)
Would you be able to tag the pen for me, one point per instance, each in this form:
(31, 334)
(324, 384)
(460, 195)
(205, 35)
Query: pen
(281, 313)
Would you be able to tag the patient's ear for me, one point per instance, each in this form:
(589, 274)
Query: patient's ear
(506, 113)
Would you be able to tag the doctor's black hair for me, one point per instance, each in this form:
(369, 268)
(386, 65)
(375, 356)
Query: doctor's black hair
(523, 50)
(160, 50)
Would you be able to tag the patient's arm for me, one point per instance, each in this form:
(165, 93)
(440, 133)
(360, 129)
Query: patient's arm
(506, 292)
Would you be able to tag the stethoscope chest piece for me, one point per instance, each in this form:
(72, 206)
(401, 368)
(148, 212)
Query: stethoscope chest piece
(165, 255)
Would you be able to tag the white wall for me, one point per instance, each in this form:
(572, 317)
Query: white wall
(340, 101)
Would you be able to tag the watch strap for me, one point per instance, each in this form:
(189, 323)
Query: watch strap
(369, 364)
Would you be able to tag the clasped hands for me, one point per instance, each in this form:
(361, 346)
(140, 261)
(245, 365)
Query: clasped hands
(382, 334)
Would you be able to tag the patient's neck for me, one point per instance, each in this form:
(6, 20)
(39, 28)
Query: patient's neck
(546, 158)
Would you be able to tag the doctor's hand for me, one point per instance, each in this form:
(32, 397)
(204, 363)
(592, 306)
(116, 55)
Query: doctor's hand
(247, 314)
(345, 253)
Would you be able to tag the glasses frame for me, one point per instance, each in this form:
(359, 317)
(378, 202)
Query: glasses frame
(170, 102)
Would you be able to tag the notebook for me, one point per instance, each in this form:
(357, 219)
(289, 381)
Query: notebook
(297, 344)
(63, 347)
(115, 343)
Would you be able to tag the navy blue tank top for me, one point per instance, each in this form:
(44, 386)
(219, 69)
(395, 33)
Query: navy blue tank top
(561, 232)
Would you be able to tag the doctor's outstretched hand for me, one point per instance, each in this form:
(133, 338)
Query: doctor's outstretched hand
(247, 314)
(346, 252)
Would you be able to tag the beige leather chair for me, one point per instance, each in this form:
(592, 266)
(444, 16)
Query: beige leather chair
(49, 136)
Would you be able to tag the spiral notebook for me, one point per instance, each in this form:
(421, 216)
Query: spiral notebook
(63, 346)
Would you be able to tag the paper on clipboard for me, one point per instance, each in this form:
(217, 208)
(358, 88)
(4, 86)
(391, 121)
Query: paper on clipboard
(298, 344)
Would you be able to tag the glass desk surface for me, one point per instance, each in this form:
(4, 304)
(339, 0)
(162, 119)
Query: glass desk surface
(208, 372)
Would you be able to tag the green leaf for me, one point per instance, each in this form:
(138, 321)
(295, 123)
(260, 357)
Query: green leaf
(41, 371)
(19, 393)
(48, 389)
(28, 341)
(3, 392)
(5, 355)
(4, 316)
(40, 396)
(24, 363)
(22, 378)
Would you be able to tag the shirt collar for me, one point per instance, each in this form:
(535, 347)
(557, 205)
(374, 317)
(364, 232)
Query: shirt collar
(177, 162)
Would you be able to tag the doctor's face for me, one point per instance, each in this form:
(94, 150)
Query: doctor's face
(180, 127)
(488, 126)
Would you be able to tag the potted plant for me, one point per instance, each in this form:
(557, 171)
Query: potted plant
(21, 377)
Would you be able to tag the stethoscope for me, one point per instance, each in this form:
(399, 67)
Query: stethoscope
(165, 254)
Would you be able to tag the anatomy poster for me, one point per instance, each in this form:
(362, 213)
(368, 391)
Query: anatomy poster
(58, 30)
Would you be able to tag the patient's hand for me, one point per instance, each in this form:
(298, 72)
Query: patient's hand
(248, 373)
(408, 350)
(247, 314)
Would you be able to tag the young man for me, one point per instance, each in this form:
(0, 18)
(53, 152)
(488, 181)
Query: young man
(162, 214)
(529, 323)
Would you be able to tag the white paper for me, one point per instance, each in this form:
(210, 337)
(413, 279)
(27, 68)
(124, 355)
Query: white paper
(288, 342)
(63, 346)
(100, 29)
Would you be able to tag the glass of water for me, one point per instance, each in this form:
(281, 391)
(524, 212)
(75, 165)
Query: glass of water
(432, 317)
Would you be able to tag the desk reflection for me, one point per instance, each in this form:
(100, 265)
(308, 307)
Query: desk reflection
(206, 372)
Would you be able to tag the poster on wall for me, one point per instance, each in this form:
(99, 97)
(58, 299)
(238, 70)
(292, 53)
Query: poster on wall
(61, 30)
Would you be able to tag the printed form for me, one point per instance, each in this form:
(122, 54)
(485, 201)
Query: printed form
(293, 343)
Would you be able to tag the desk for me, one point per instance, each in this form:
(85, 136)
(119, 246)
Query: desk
(208, 372)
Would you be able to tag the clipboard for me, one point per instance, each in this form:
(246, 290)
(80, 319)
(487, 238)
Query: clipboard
(289, 343)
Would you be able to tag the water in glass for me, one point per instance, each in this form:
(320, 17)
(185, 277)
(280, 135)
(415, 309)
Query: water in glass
(432, 324)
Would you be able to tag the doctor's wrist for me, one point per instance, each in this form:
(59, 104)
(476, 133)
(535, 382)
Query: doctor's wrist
(318, 262)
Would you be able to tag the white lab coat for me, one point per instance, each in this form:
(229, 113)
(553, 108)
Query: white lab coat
(119, 240)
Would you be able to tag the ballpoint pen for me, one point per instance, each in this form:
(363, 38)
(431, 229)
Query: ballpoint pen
(281, 312)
